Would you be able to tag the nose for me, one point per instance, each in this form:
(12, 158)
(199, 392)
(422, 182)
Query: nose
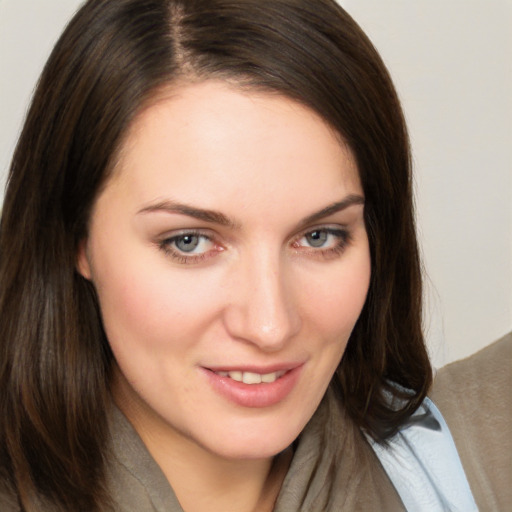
(263, 309)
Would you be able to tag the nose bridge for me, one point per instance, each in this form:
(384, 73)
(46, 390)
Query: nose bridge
(264, 311)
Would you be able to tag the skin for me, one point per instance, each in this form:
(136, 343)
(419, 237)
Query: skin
(261, 288)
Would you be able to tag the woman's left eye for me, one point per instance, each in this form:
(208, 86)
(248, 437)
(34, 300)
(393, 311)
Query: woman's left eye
(318, 238)
(324, 240)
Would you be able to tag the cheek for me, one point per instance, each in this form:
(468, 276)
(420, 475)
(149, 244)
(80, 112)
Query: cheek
(335, 307)
(146, 306)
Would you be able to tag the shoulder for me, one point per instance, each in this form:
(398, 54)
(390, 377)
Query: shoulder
(479, 388)
(475, 397)
(480, 375)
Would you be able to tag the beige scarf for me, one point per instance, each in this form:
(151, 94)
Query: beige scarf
(335, 470)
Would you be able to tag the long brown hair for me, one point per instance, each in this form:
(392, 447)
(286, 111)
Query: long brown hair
(112, 58)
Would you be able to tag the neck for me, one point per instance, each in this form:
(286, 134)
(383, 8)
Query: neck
(205, 482)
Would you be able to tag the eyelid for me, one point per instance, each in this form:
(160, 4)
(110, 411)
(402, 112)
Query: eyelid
(329, 228)
(176, 233)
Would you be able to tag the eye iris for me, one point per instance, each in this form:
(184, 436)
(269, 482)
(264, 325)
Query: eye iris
(187, 243)
(316, 238)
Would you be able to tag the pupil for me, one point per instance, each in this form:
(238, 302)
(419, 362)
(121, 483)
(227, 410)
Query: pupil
(187, 243)
(316, 238)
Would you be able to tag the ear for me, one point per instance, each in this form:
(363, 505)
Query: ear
(83, 265)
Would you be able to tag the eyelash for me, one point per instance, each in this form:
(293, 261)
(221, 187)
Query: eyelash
(343, 240)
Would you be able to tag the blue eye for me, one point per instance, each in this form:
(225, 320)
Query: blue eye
(317, 238)
(187, 243)
(326, 242)
(324, 238)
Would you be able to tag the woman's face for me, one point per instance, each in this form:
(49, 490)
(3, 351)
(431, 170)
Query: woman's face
(231, 262)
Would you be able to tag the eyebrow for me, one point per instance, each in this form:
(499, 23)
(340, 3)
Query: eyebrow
(216, 217)
(350, 200)
(191, 211)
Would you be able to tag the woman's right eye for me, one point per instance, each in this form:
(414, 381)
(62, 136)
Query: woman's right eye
(191, 244)
(188, 247)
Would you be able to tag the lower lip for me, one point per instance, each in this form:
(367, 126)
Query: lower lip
(254, 395)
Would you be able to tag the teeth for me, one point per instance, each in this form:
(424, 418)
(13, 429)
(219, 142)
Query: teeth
(236, 376)
(252, 378)
(269, 377)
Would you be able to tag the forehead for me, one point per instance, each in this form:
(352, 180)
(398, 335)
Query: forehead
(211, 140)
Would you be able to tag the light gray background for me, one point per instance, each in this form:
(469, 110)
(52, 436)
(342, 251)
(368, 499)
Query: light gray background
(452, 64)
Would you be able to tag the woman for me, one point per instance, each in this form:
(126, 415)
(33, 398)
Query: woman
(210, 284)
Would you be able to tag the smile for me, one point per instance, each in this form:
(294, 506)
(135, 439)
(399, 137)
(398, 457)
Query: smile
(251, 377)
(250, 388)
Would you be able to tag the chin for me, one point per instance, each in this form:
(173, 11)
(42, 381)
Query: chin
(250, 452)
(253, 439)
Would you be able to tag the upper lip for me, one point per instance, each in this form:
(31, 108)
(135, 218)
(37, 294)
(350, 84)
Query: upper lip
(262, 370)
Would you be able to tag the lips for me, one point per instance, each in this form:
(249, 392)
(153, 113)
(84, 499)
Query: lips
(254, 387)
